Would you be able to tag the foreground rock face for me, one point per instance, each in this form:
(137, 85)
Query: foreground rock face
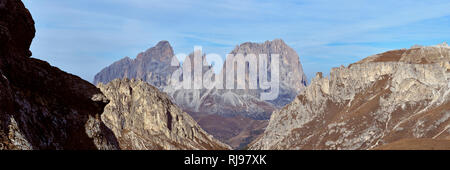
(143, 118)
(42, 107)
(154, 67)
(379, 100)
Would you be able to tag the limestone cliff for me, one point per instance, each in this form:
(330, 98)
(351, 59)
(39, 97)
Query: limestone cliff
(247, 102)
(382, 99)
(143, 118)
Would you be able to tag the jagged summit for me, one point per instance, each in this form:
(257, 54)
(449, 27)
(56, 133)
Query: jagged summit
(163, 43)
(152, 66)
(277, 41)
(274, 44)
(161, 51)
(41, 106)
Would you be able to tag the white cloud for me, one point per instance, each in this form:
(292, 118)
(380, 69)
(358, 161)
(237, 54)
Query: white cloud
(105, 30)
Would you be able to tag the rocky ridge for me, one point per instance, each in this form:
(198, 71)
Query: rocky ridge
(376, 101)
(143, 118)
(152, 66)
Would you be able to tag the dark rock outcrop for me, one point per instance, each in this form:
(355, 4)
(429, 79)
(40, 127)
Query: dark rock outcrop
(42, 107)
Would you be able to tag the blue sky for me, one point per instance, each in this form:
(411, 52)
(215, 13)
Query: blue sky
(84, 36)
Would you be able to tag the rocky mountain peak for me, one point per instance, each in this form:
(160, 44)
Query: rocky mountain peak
(152, 66)
(292, 78)
(144, 118)
(277, 43)
(274, 44)
(163, 52)
(163, 44)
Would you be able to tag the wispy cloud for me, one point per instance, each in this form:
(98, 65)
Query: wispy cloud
(324, 33)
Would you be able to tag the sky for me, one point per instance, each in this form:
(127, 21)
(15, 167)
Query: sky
(84, 36)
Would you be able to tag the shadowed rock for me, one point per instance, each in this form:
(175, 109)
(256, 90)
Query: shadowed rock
(43, 107)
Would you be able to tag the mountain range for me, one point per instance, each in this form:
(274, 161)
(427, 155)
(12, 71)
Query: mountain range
(384, 98)
(43, 107)
(398, 99)
(217, 105)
